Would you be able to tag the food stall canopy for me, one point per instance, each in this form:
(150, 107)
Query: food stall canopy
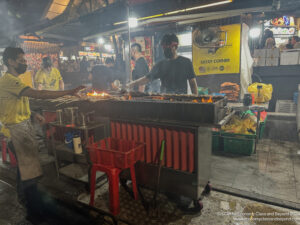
(77, 19)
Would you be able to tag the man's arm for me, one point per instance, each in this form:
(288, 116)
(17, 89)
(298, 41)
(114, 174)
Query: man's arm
(193, 85)
(61, 85)
(39, 86)
(29, 92)
(142, 81)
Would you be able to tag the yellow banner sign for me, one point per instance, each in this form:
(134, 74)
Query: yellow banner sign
(216, 50)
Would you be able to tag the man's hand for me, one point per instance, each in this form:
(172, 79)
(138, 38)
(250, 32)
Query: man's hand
(75, 91)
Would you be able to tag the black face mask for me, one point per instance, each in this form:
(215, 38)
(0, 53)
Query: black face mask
(21, 68)
(168, 53)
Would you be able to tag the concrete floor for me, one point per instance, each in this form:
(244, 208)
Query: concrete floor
(11, 211)
(273, 172)
(219, 209)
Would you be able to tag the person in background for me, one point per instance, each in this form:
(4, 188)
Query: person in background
(173, 72)
(98, 61)
(84, 65)
(289, 45)
(101, 77)
(109, 62)
(295, 42)
(268, 40)
(141, 67)
(48, 77)
(15, 115)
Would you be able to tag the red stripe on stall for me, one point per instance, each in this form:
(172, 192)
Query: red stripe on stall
(191, 151)
(183, 151)
(169, 148)
(124, 131)
(141, 137)
(135, 133)
(148, 144)
(113, 129)
(154, 144)
(176, 154)
(118, 128)
(129, 132)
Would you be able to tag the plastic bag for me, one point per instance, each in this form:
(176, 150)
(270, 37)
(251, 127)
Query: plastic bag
(263, 94)
(237, 125)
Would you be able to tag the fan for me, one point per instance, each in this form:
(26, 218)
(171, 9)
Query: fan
(209, 38)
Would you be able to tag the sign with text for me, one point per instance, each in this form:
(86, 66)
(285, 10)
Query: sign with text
(216, 50)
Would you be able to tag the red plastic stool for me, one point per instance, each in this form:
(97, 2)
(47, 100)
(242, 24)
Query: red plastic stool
(112, 156)
(12, 159)
(113, 179)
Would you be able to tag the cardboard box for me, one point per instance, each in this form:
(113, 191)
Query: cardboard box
(260, 53)
(259, 62)
(272, 61)
(289, 58)
(273, 53)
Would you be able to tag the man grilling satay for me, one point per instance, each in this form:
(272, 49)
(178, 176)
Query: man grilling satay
(15, 115)
(174, 71)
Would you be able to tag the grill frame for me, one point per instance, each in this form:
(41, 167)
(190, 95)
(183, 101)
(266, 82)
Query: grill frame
(176, 181)
(197, 118)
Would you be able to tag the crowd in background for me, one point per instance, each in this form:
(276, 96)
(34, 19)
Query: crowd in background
(268, 41)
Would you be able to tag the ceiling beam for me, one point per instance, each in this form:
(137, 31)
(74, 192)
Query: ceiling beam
(184, 19)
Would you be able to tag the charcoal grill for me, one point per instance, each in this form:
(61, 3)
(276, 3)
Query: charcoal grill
(184, 123)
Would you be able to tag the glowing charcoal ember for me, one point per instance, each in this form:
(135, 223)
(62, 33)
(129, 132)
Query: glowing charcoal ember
(210, 100)
(97, 94)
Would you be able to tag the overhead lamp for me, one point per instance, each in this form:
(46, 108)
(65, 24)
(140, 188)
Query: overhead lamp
(108, 47)
(180, 11)
(101, 40)
(254, 32)
(133, 22)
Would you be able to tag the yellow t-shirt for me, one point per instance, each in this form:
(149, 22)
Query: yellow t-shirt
(49, 81)
(26, 78)
(14, 108)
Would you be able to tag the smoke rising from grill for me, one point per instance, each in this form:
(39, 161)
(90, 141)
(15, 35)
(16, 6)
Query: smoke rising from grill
(8, 25)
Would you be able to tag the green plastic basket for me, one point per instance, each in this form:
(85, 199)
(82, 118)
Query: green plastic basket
(242, 144)
(216, 141)
(262, 126)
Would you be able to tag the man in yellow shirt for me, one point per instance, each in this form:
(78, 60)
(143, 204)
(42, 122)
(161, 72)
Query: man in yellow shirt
(48, 77)
(15, 115)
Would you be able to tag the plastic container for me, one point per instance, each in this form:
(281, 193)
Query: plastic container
(77, 144)
(242, 144)
(116, 153)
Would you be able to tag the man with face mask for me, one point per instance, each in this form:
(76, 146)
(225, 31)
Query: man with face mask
(173, 72)
(48, 77)
(15, 115)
